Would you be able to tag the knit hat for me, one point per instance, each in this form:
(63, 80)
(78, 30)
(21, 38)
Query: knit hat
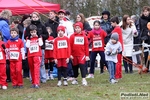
(114, 36)
(62, 11)
(61, 28)
(79, 24)
(148, 25)
(107, 13)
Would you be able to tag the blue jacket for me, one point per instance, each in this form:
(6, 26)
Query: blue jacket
(4, 28)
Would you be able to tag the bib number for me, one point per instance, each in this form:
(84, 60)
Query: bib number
(62, 44)
(97, 44)
(34, 48)
(14, 55)
(49, 47)
(79, 40)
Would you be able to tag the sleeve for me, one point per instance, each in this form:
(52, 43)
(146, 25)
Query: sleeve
(134, 31)
(71, 44)
(107, 49)
(120, 48)
(22, 50)
(45, 33)
(7, 50)
(27, 43)
(104, 34)
(86, 46)
(55, 49)
(40, 41)
(68, 48)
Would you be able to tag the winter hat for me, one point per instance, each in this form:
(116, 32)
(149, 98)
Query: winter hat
(61, 28)
(79, 24)
(114, 36)
(148, 25)
(107, 13)
(62, 11)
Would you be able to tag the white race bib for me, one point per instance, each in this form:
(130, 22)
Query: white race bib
(62, 44)
(1, 56)
(97, 44)
(34, 48)
(49, 46)
(79, 40)
(14, 55)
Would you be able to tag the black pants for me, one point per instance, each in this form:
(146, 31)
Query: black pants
(62, 70)
(126, 64)
(8, 71)
(25, 67)
(82, 69)
(146, 58)
(49, 66)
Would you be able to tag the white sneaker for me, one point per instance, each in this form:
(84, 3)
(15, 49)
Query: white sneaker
(51, 77)
(84, 82)
(65, 83)
(59, 83)
(90, 76)
(113, 81)
(74, 82)
(4, 87)
(47, 77)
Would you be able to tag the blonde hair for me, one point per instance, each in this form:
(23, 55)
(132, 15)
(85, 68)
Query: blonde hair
(36, 13)
(5, 14)
(27, 21)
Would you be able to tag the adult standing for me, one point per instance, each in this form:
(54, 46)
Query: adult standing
(5, 30)
(128, 32)
(41, 30)
(53, 23)
(144, 19)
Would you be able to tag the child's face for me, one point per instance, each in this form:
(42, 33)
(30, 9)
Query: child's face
(35, 17)
(113, 24)
(146, 13)
(78, 29)
(25, 25)
(61, 16)
(60, 33)
(33, 33)
(13, 34)
(96, 26)
(113, 41)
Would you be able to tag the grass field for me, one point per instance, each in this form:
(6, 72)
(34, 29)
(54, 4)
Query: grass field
(98, 89)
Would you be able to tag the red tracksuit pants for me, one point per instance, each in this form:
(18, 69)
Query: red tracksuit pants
(34, 65)
(3, 75)
(16, 73)
(118, 74)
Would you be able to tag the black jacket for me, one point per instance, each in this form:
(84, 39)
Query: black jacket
(20, 27)
(53, 25)
(41, 30)
(143, 28)
(86, 26)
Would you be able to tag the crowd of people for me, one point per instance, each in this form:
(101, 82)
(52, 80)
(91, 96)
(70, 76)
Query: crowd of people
(37, 48)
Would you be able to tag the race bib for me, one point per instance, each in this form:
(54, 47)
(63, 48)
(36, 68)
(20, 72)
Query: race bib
(1, 56)
(62, 44)
(79, 40)
(97, 44)
(34, 48)
(14, 55)
(49, 47)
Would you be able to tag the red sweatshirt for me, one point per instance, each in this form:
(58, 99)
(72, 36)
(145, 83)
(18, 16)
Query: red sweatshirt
(34, 48)
(79, 45)
(97, 40)
(15, 49)
(49, 48)
(2, 53)
(119, 31)
(61, 47)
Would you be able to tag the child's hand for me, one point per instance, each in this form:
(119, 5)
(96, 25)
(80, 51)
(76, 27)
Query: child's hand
(71, 57)
(67, 60)
(87, 58)
(55, 60)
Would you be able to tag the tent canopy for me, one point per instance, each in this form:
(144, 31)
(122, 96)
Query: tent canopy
(19, 7)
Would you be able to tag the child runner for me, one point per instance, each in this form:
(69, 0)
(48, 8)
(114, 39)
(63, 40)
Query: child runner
(61, 54)
(114, 22)
(3, 76)
(79, 52)
(97, 36)
(49, 58)
(113, 47)
(34, 43)
(15, 52)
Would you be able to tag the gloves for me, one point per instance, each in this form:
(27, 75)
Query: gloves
(3, 46)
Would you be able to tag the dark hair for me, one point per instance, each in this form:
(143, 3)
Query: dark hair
(25, 17)
(114, 19)
(97, 21)
(146, 8)
(14, 29)
(53, 11)
(124, 22)
(67, 13)
(32, 27)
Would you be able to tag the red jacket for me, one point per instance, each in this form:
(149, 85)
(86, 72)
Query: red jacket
(119, 31)
(61, 47)
(34, 48)
(2, 53)
(97, 40)
(49, 48)
(79, 45)
(15, 50)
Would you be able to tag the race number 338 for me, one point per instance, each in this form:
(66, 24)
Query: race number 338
(1, 56)
(14, 55)
(62, 44)
(34, 48)
(97, 44)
